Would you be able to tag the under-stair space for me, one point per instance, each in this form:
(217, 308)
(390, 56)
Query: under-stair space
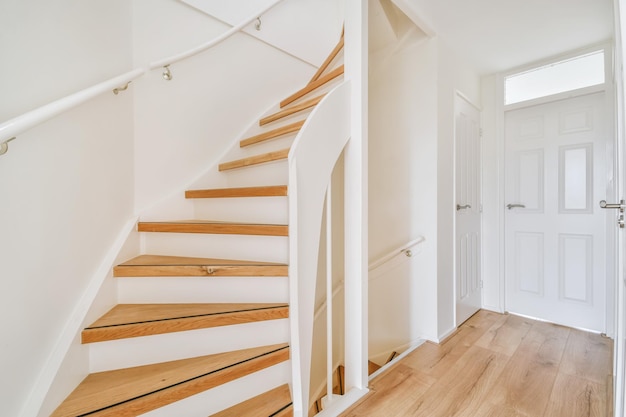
(206, 306)
(339, 386)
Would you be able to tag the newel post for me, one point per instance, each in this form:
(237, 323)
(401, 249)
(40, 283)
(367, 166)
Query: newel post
(356, 196)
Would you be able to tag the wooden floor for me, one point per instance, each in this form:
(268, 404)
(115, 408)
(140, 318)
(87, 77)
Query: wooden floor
(498, 366)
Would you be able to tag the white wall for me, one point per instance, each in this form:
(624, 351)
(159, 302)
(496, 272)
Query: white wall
(413, 83)
(307, 29)
(210, 102)
(403, 177)
(66, 185)
(492, 214)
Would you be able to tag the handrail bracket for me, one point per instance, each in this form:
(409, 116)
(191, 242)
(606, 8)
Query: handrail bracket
(117, 90)
(4, 146)
(167, 74)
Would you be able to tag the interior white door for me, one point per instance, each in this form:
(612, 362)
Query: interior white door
(468, 210)
(555, 230)
(619, 353)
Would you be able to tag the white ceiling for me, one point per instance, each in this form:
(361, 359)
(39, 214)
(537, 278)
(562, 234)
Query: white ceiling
(496, 35)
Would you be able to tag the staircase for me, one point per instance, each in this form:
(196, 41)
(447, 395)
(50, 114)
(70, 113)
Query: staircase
(193, 331)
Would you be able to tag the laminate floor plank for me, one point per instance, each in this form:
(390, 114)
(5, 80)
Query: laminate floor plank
(574, 396)
(506, 334)
(464, 388)
(435, 360)
(533, 366)
(587, 355)
(393, 393)
(498, 366)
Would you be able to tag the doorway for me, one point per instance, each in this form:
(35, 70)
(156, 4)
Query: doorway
(468, 209)
(555, 239)
(557, 168)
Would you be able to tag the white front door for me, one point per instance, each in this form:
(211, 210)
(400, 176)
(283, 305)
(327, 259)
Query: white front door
(555, 231)
(468, 210)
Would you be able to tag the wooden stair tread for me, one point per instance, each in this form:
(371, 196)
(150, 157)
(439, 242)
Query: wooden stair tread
(313, 85)
(214, 227)
(165, 266)
(255, 160)
(329, 59)
(134, 320)
(133, 391)
(272, 134)
(291, 110)
(372, 367)
(267, 404)
(265, 191)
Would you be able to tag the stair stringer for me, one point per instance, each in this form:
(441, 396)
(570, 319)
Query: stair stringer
(69, 362)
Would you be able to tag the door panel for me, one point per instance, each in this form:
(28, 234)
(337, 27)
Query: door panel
(555, 234)
(468, 226)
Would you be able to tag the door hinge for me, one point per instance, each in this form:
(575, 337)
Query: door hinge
(480, 132)
(481, 284)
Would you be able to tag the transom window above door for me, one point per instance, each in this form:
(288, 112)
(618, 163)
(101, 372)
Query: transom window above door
(581, 71)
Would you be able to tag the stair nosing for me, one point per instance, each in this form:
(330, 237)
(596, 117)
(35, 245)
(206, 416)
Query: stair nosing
(274, 350)
(272, 134)
(288, 111)
(187, 317)
(239, 192)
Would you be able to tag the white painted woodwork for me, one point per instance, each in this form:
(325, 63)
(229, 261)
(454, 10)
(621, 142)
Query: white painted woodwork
(221, 397)
(555, 246)
(202, 290)
(124, 353)
(468, 210)
(311, 161)
(260, 210)
(259, 248)
(619, 346)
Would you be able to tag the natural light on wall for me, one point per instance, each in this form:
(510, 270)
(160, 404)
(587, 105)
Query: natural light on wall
(571, 74)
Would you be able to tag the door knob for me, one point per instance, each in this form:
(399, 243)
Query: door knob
(510, 206)
(621, 206)
(462, 207)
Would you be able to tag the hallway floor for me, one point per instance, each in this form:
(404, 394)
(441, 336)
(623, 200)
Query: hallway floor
(498, 366)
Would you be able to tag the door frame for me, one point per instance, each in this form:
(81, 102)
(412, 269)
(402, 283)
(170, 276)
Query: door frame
(609, 88)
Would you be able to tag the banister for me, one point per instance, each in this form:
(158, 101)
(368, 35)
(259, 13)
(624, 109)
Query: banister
(406, 249)
(200, 48)
(312, 158)
(19, 124)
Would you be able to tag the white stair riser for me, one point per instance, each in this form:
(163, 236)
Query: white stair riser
(244, 247)
(274, 173)
(227, 395)
(264, 210)
(136, 351)
(203, 290)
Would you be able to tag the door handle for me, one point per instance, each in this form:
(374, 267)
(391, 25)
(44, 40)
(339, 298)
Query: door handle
(462, 207)
(511, 206)
(621, 206)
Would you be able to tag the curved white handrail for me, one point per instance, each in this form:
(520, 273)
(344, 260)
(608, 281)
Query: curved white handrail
(312, 158)
(392, 254)
(194, 51)
(19, 124)
(11, 128)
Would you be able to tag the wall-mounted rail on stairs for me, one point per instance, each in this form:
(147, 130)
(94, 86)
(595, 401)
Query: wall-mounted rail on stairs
(13, 127)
